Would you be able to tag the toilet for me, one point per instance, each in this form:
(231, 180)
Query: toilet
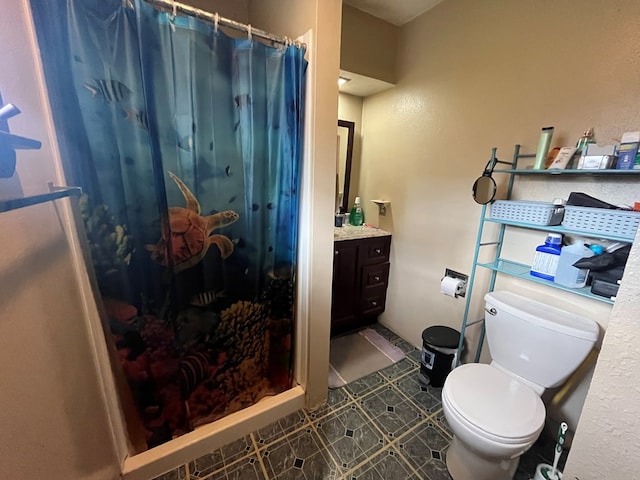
(495, 411)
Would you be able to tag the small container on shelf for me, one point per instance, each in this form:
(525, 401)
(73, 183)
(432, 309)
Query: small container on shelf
(545, 261)
(568, 275)
(586, 138)
(536, 213)
(602, 221)
(543, 148)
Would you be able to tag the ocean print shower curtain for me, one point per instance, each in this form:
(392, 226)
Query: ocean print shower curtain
(187, 144)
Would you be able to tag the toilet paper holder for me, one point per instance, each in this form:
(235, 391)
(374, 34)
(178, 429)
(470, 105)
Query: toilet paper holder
(460, 276)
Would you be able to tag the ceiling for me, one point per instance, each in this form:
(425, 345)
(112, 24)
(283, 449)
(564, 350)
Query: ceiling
(396, 12)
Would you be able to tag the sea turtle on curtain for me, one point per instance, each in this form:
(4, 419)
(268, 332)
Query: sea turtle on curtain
(191, 233)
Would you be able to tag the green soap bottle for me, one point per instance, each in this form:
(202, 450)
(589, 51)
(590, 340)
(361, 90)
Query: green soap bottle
(356, 218)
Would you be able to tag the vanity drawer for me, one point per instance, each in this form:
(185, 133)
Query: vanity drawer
(373, 300)
(375, 250)
(375, 275)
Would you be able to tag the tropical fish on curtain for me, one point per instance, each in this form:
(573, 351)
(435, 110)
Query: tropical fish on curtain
(187, 144)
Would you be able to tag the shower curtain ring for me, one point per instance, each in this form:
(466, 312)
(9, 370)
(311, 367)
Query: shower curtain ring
(249, 35)
(175, 9)
(216, 21)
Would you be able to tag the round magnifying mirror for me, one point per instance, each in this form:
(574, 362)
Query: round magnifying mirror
(484, 189)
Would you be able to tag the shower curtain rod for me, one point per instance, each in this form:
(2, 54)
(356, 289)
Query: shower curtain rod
(214, 18)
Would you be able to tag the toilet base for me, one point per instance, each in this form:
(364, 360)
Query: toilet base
(465, 464)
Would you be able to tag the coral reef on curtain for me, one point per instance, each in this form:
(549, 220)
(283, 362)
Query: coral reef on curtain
(194, 365)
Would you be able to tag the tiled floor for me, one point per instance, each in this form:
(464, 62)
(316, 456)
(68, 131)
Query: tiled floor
(384, 426)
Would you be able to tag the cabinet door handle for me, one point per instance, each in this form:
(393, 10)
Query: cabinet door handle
(376, 278)
(337, 252)
(374, 304)
(378, 251)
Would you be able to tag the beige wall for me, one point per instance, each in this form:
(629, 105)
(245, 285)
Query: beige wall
(471, 76)
(53, 418)
(368, 45)
(237, 10)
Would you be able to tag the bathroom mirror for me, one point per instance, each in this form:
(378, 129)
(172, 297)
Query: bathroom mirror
(484, 189)
(346, 133)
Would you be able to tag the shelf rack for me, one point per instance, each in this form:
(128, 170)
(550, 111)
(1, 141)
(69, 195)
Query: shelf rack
(54, 193)
(9, 143)
(520, 270)
(382, 206)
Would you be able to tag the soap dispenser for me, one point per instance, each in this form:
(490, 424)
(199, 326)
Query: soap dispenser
(356, 218)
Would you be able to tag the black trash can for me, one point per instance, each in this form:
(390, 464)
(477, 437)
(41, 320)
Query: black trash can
(439, 354)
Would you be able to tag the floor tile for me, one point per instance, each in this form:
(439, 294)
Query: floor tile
(387, 465)
(426, 397)
(398, 369)
(177, 474)
(386, 333)
(223, 457)
(279, 428)
(415, 356)
(246, 469)
(391, 411)
(406, 347)
(349, 436)
(336, 398)
(300, 455)
(362, 386)
(424, 448)
(440, 420)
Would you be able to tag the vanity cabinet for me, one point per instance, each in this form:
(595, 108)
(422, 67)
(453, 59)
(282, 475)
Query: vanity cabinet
(360, 278)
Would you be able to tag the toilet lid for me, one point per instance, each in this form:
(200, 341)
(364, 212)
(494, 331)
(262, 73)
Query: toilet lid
(494, 402)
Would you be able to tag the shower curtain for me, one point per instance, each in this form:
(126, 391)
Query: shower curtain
(187, 144)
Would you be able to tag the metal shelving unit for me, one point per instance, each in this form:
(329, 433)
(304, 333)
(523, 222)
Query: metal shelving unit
(9, 143)
(54, 193)
(500, 265)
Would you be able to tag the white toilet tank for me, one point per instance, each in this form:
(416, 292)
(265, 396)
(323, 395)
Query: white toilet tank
(535, 341)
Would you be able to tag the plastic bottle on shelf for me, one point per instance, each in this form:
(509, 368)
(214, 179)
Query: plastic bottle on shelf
(356, 218)
(568, 275)
(545, 261)
(587, 137)
(543, 148)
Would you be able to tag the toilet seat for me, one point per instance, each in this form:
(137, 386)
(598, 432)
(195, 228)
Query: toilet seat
(493, 404)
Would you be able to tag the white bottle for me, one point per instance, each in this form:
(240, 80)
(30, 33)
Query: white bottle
(567, 274)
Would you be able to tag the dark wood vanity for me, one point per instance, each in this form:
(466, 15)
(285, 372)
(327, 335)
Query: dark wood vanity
(360, 277)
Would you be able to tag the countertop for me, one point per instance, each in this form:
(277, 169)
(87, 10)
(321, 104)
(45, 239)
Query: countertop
(349, 232)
